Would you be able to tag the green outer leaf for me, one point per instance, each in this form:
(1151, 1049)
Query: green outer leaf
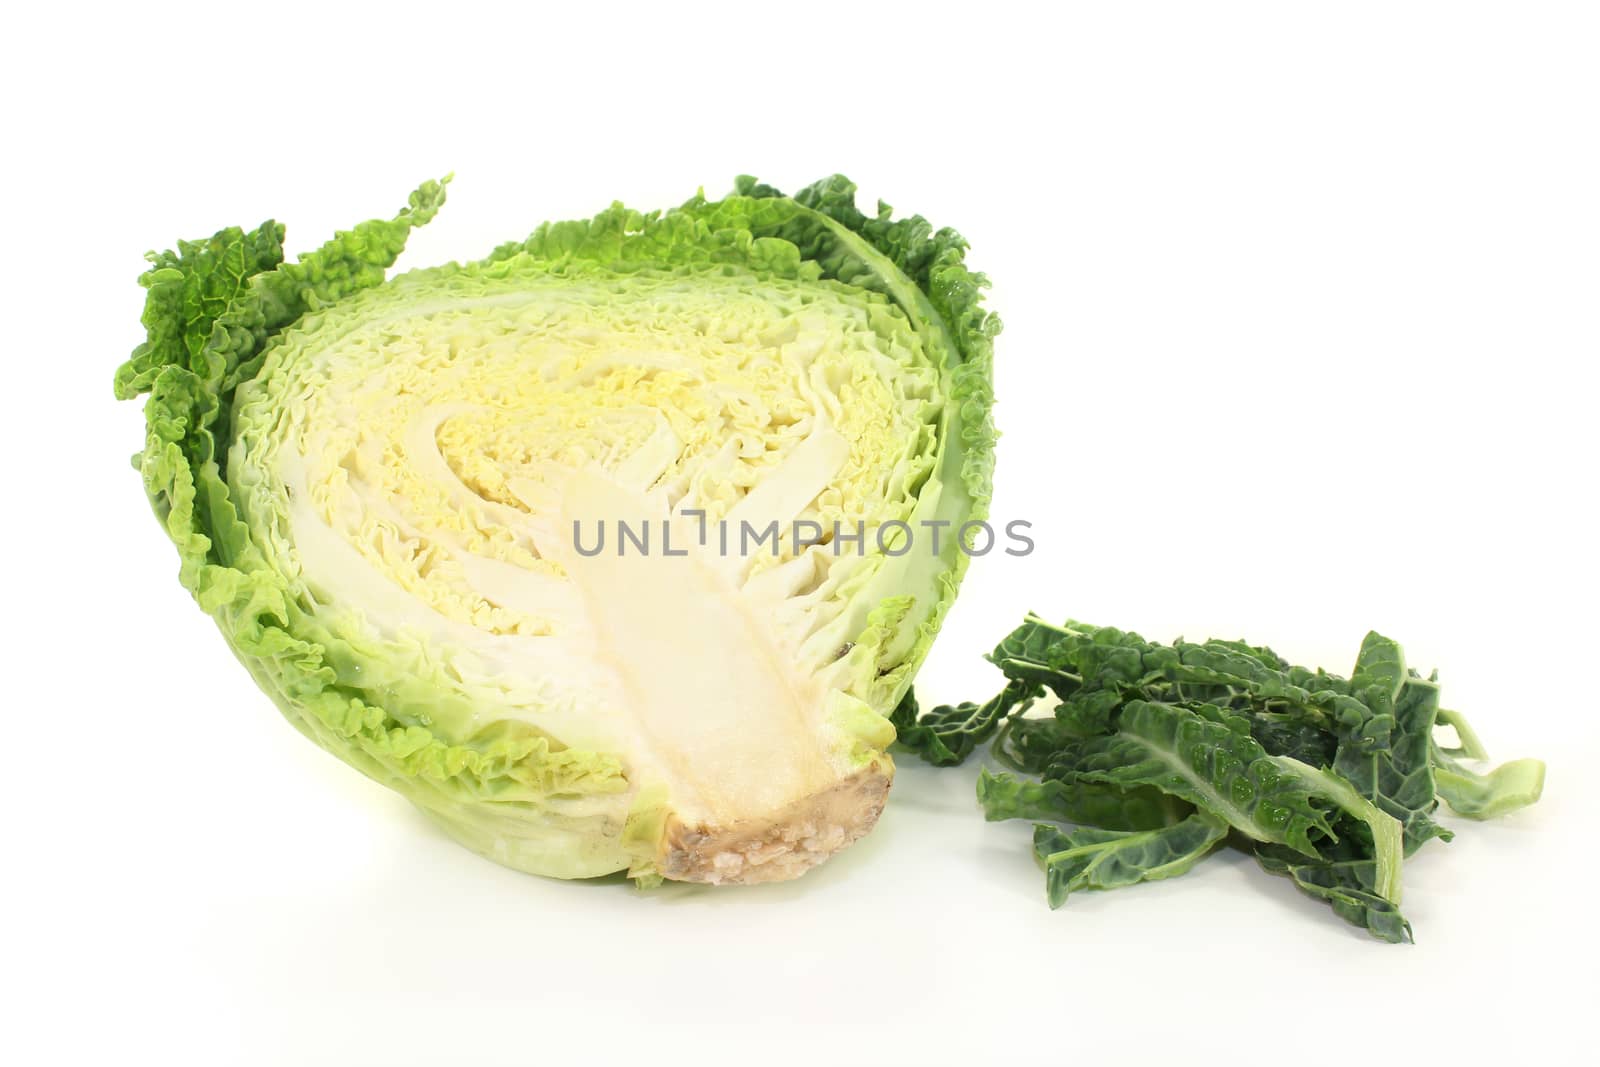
(1075, 655)
(948, 734)
(1388, 851)
(1219, 769)
(1218, 672)
(1030, 745)
(1470, 747)
(1108, 859)
(1209, 765)
(1006, 796)
(1503, 790)
(1288, 735)
(1348, 886)
(1380, 672)
(188, 292)
(1388, 759)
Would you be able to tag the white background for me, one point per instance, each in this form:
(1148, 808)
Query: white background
(1301, 309)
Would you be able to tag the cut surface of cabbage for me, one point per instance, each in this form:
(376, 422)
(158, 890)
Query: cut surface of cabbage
(581, 547)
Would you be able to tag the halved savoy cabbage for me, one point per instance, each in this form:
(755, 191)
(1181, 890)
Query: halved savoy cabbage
(388, 495)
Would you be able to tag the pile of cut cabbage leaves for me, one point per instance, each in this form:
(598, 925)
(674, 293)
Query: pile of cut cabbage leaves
(1156, 754)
